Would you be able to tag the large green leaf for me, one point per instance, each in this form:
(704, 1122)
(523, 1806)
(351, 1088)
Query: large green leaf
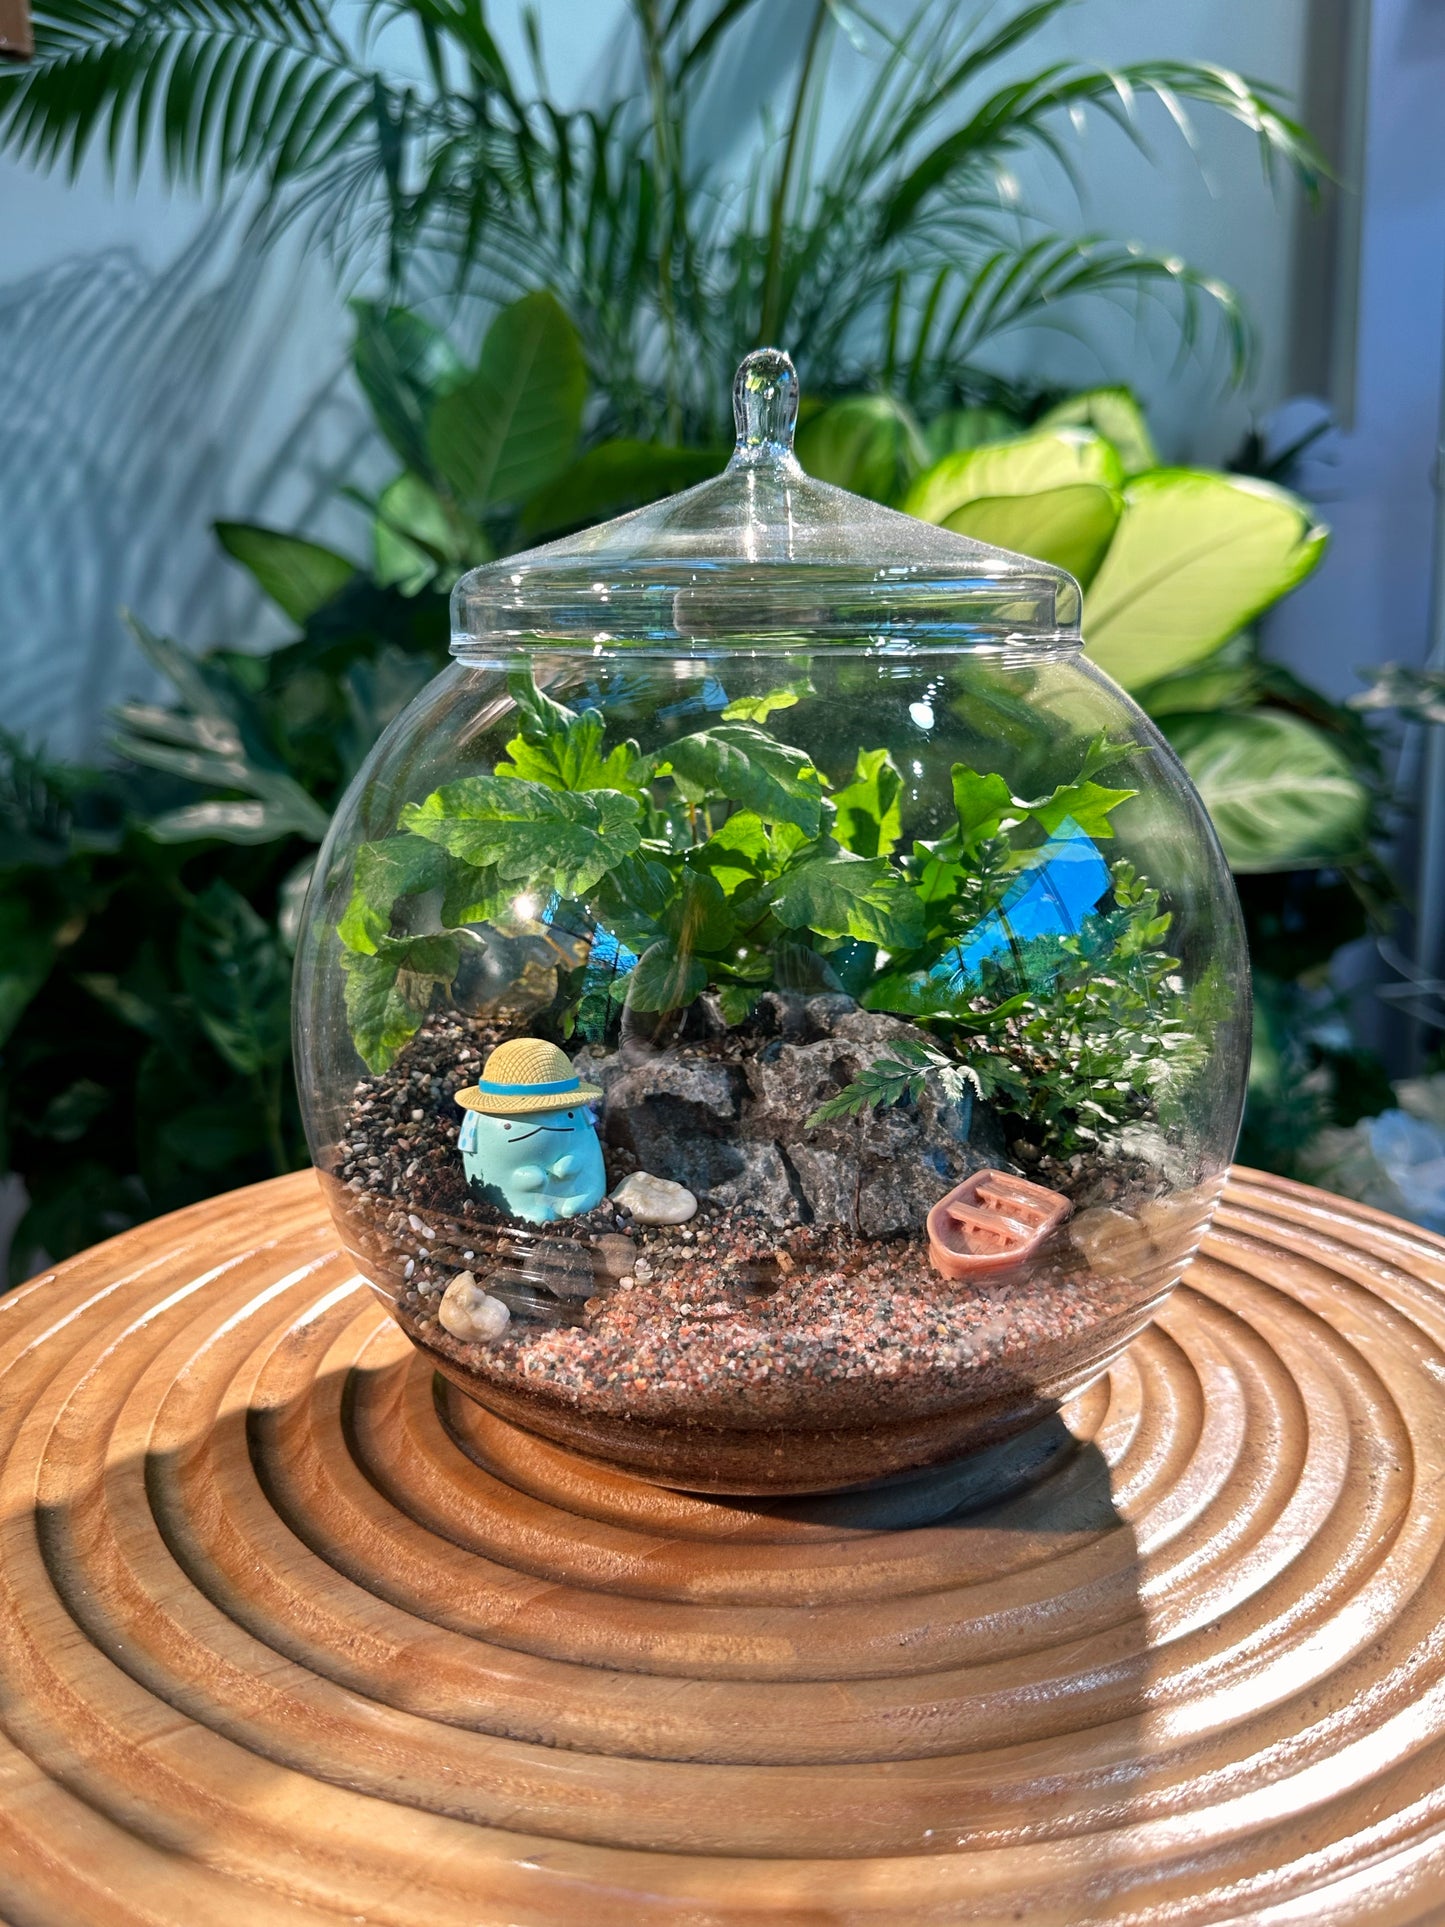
(960, 428)
(749, 767)
(1116, 414)
(613, 478)
(1025, 465)
(389, 990)
(404, 366)
(384, 872)
(869, 817)
(299, 576)
(512, 424)
(528, 836)
(416, 538)
(563, 748)
(1070, 527)
(841, 895)
(665, 979)
(1282, 795)
(868, 443)
(1197, 556)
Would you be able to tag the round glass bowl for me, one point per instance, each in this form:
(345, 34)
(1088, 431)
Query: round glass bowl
(772, 1015)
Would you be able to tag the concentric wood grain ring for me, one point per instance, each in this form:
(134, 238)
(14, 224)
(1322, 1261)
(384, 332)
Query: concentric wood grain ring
(291, 1632)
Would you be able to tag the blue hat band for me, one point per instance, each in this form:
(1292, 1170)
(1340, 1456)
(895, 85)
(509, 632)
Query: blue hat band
(529, 1090)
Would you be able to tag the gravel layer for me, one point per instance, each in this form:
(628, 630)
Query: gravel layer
(731, 1321)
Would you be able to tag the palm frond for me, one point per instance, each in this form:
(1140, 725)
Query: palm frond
(464, 189)
(1017, 116)
(215, 88)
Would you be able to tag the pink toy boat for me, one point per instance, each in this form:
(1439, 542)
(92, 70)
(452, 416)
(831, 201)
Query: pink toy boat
(991, 1221)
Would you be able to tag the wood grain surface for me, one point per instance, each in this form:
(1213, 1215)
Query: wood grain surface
(291, 1633)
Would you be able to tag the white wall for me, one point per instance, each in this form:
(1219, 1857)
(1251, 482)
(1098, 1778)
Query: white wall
(1370, 601)
(108, 496)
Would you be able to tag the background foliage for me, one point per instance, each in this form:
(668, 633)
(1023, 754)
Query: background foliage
(149, 906)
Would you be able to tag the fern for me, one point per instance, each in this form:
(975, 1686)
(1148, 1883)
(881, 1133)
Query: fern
(889, 1080)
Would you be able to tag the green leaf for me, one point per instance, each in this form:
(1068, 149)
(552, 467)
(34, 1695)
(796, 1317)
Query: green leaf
(389, 991)
(757, 709)
(511, 425)
(215, 739)
(1196, 558)
(299, 576)
(404, 366)
(416, 538)
(867, 443)
(698, 918)
(981, 804)
(960, 428)
(869, 817)
(384, 872)
(1070, 527)
(841, 895)
(612, 479)
(1218, 683)
(747, 766)
(1116, 415)
(665, 979)
(738, 854)
(1282, 795)
(562, 747)
(1061, 458)
(1089, 805)
(238, 978)
(529, 837)
(888, 1080)
(633, 899)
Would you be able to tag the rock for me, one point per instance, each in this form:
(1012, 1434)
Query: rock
(615, 1255)
(762, 1181)
(823, 1014)
(471, 1314)
(655, 1200)
(733, 1130)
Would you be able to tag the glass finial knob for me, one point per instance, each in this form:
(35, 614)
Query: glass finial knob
(765, 407)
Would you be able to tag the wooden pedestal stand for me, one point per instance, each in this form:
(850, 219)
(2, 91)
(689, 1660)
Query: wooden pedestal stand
(288, 1635)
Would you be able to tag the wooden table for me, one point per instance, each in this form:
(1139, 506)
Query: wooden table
(290, 1634)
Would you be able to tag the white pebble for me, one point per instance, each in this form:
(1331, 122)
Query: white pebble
(418, 1227)
(642, 1271)
(471, 1314)
(655, 1200)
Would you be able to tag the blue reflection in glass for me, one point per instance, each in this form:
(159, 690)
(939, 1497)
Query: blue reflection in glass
(1065, 881)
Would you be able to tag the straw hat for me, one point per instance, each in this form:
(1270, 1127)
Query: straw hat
(522, 1075)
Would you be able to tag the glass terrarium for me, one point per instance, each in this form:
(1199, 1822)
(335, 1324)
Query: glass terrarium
(772, 1015)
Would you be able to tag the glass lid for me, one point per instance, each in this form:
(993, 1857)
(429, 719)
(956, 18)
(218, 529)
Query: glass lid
(764, 552)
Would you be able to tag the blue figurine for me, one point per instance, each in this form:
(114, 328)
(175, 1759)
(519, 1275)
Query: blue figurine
(528, 1136)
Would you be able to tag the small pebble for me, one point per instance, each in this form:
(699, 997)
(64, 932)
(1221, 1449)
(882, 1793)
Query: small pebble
(655, 1200)
(615, 1254)
(470, 1314)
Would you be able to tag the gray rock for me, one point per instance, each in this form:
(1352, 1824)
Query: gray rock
(734, 1133)
(762, 1184)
